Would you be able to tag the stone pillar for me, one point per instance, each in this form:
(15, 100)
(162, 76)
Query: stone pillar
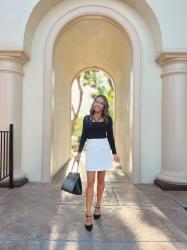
(173, 175)
(11, 74)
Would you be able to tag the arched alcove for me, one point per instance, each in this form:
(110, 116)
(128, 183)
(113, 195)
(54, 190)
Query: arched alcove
(138, 40)
(118, 60)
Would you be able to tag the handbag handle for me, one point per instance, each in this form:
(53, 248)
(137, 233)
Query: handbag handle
(74, 164)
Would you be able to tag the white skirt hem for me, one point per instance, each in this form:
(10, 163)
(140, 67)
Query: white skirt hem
(98, 155)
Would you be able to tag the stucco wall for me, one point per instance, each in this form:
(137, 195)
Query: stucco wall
(13, 22)
(170, 14)
(61, 118)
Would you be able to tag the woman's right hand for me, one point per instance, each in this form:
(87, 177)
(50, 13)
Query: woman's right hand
(77, 157)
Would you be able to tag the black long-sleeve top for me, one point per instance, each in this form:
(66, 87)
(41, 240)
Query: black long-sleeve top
(92, 130)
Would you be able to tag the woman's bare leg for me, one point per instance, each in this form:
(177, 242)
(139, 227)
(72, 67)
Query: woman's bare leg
(89, 194)
(100, 189)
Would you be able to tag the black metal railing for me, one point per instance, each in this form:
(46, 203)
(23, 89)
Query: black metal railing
(6, 155)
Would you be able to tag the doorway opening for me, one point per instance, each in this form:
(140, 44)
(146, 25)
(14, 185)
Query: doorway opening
(85, 87)
(75, 50)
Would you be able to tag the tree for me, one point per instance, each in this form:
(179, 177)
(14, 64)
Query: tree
(100, 83)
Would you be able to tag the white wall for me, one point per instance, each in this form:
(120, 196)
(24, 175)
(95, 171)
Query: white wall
(171, 15)
(32, 113)
(150, 127)
(14, 15)
(172, 18)
(61, 136)
(123, 131)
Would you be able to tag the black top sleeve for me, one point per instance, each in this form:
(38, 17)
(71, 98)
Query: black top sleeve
(83, 135)
(110, 136)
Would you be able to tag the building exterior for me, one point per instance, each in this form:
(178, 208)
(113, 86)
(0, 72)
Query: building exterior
(141, 44)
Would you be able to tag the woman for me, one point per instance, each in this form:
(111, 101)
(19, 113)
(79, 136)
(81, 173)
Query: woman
(97, 132)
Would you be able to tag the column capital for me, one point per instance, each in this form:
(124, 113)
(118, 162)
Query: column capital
(171, 57)
(18, 56)
(12, 61)
(173, 63)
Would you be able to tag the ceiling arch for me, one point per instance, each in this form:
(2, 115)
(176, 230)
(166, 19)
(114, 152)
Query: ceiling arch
(44, 6)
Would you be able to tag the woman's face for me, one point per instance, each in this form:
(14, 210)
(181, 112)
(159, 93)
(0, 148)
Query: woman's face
(99, 104)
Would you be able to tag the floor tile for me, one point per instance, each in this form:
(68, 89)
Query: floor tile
(142, 216)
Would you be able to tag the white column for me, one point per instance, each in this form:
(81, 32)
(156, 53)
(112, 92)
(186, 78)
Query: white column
(173, 175)
(11, 74)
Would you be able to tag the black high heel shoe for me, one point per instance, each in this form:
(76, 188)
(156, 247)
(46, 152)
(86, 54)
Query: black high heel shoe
(88, 227)
(97, 216)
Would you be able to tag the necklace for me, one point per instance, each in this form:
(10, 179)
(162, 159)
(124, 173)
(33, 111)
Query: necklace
(97, 119)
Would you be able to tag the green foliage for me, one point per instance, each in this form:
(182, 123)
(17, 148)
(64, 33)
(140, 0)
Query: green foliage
(78, 127)
(101, 85)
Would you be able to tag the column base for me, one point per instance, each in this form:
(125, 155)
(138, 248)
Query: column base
(17, 183)
(170, 186)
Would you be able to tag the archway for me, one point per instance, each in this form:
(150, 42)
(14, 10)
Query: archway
(142, 7)
(143, 69)
(133, 65)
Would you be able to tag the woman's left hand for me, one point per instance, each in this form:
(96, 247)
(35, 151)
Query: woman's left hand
(116, 158)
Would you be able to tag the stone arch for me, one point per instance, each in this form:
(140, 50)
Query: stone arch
(48, 95)
(41, 9)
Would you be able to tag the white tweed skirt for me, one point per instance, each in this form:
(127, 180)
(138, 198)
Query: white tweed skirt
(98, 155)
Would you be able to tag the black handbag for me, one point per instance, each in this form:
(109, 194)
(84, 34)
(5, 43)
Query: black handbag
(72, 182)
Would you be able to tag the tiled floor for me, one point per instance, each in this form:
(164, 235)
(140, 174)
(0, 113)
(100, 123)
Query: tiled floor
(40, 216)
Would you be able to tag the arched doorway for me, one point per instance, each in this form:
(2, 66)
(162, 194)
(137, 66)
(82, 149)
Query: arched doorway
(139, 40)
(116, 57)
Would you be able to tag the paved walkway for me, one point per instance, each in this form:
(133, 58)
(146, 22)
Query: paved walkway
(40, 216)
